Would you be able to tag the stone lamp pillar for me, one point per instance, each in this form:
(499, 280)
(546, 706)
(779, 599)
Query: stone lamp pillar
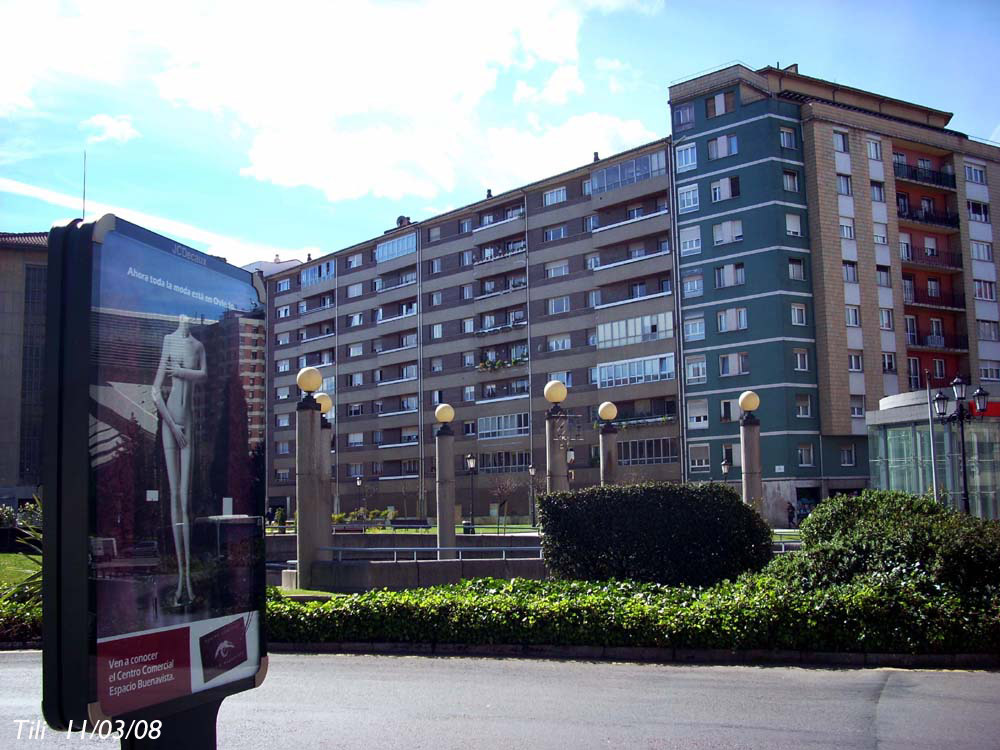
(312, 467)
(608, 442)
(753, 485)
(556, 469)
(444, 480)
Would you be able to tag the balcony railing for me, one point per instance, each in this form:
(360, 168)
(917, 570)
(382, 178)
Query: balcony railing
(926, 256)
(937, 340)
(498, 254)
(501, 328)
(946, 218)
(929, 176)
(943, 299)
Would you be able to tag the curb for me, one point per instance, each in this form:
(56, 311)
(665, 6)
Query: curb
(749, 657)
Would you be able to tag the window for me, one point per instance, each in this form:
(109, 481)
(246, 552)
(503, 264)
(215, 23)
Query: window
(551, 197)
(355, 350)
(435, 298)
(437, 331)
(796, 269)
(695, 369)
(284, 285)
(694, 328)
(355, 261)
(465, 291)
(396, 247)
(465, 226)
(803, 405)
(843, 184)
(933, 287)
(850, 271)
(988, 330)
(283, 365)
(692, 285)
(720, 104)
(634, 371)
(590, 223)
(468, 325)
(857, 407)
(978, 211)
(687, 157)
(898, 158)
(284, 311)
(731, 319)
(697, 414)
(724, 145)
(437, 364)
(880, 234)
(637, 290)
(563, 376)
(355, 290)
(847, 455)
(731, 274)
(840, 141)
(468, 359)
(787, 138)
(556, 268)
(593, 298)
(690, 240)
(468, 257)
(355, 410)
(634, 211)
(790, 180)
(985, 290)
(355, 319)
(878, 192)
(282, 448)
(585, 187)
(888, 362)
(793, 225)
(734, 364)
(635, 330)
(982, 251)
(975, 173)
(846, 228)
(885, 318)
(939, 368)
(699, 457)
(989, 369)
(355, 439)
(855, 363)
(593, 261)
(882, 277)
(727, 231)
(468, 428)
(434, 265)
(283, 338)
(683, 117)
(852, 316)
(356, 379)
(554, 233)
(805, 454)
(469, 393)
(558, 343)
(874, 151)
(559, 305)
(650, 451)
(798, 314)
(726, 188)
(687, 198)
(503, 426)
(729, 410)
(486, 219)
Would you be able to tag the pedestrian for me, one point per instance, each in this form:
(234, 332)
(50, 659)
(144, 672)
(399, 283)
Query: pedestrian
(791, 516)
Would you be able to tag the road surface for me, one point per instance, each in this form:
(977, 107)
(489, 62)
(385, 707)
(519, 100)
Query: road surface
(332, 701)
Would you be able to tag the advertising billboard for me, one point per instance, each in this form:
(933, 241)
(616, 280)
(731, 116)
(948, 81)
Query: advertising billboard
(148, 341)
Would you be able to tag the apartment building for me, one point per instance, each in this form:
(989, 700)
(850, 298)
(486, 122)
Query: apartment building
(834, 247)
(570, 278)
(822, 245)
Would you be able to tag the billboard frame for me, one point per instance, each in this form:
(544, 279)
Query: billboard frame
(68, 594)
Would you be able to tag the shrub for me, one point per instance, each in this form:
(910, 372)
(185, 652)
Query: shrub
(693, 534)
(893, 533)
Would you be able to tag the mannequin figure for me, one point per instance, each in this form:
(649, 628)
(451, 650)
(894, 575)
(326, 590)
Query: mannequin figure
(183, 361)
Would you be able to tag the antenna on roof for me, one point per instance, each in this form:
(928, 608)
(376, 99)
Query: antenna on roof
(83, 213)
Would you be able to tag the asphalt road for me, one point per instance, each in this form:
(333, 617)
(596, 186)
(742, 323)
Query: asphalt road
(326, 701)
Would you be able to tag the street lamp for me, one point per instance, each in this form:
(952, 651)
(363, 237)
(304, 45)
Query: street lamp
(962, 414)
(470, 464)
(531, 492)
(570, 456)
(725, 466)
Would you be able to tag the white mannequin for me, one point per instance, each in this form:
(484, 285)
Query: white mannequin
(183, 360)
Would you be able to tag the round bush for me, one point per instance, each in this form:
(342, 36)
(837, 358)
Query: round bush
(658, 532)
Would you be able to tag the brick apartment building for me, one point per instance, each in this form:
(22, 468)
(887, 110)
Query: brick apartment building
(819, 244)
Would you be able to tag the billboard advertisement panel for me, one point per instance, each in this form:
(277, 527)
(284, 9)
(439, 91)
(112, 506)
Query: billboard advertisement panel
(174, 542)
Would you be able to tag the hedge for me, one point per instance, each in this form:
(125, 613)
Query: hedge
(659, 532)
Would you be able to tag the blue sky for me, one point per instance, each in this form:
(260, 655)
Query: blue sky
(246, 128)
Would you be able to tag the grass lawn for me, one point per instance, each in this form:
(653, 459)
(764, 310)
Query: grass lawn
(14, 568)
(307, 592)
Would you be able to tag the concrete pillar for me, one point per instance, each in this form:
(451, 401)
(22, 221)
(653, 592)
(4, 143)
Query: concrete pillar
(609, 453)
(556, 473)
(444, 484)
(312, 488)
(326, 438)
(753, 486)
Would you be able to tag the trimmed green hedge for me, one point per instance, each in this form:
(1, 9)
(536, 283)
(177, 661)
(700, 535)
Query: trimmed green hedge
(659, 532)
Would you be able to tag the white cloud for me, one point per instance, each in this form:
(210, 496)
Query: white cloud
(236, 251)
(617, 74)
(565, 80)
(110, 128)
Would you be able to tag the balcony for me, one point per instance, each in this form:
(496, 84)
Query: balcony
(498, 292)
(937, 340)
(929, 257)
(629, 229)
(501, 328)
(491, 365)
(924, 176)
(381, 321)
(944, 219)
(943, 299)
(401, 444)
(638, 420)
(629, 300)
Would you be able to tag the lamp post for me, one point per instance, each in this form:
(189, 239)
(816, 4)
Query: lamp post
(444, 481)
(470, 464)
(531, 493)
(753, 486)
(556, 476)
(962, 414)
(608, 442)
(312, 469)
(726, 465)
